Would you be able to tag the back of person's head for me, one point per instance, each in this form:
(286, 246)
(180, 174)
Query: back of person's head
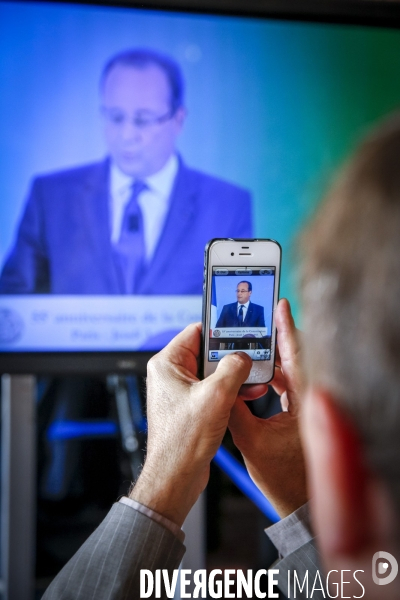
(351, 413)
(143, 58)
(351, 293)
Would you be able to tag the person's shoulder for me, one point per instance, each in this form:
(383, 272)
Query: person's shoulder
(228, 306)
(80, 173)
(211, 184)
(257, 306)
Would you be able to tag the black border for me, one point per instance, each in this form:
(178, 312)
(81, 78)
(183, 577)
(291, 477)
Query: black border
(73, 363)
(374, 13)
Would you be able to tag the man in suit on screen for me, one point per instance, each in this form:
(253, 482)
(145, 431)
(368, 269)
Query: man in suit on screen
(136, 222)
(242, 313)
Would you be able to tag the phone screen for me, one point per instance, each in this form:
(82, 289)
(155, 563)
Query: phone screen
(241, 311)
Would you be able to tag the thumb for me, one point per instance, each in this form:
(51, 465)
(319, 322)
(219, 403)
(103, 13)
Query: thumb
(232, 371)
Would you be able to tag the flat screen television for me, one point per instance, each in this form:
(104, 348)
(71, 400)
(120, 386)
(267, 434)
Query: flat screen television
(131, 135)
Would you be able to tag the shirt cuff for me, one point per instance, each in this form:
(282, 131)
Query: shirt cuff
(172, 527)
(292, 532)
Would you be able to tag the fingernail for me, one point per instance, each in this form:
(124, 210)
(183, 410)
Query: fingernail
(241, 353)
(288, 305)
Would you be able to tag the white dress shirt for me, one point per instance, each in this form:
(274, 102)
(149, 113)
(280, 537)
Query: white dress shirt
(154, 201)
(152, 514)
(245, 307)
(287, 535)
(292, 532)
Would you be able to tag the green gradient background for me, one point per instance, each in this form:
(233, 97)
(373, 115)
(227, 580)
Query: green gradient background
(336, 82)
(273, 106)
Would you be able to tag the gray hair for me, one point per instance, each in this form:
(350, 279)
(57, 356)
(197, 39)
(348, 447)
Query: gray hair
(351, 297)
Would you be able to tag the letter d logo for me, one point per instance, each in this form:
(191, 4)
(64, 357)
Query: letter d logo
(382, 567)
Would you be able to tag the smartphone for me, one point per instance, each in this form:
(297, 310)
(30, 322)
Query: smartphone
(240, 293)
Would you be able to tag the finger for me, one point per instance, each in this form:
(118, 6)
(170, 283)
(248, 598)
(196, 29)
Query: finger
(278, 360)
(278, 382)
(183, 350)
(252, 392)
(231, 372)
(284, 402)
(288, 344)
(289, 350)
(277, 352)
(277, 355)
(188, 339)
(241, 423)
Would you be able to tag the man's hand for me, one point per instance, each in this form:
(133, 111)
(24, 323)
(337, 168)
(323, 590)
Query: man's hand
(187, 420)
(271, 447)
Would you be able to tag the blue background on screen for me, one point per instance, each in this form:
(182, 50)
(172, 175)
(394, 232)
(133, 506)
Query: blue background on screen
(262, 294)
(272, 106)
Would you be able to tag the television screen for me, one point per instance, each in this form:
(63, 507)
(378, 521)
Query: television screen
(131, 137)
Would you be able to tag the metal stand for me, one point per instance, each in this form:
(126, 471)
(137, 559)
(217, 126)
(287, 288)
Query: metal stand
(130, 442)
(18, 486)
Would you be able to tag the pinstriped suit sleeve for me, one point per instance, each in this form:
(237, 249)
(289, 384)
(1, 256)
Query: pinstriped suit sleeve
(107, 566)
(293, 538)
(305, 560)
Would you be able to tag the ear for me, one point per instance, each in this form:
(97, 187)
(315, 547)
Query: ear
(339, 479)
(179, 117)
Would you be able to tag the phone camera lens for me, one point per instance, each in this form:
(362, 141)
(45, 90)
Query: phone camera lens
(232, 253)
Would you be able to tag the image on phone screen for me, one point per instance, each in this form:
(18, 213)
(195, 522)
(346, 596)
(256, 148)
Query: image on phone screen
(241, 311)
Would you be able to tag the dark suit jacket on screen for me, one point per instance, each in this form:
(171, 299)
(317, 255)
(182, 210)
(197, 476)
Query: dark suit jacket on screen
(63, 242)
(254, 316)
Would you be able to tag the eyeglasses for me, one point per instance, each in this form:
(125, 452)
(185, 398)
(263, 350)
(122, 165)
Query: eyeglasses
(118, 118)
(238, 291)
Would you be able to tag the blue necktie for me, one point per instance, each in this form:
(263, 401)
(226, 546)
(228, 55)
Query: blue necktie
(130, 251)
(240, 315)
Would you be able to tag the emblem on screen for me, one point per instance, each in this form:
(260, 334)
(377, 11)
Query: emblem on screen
(11, 326)
(216, 333)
